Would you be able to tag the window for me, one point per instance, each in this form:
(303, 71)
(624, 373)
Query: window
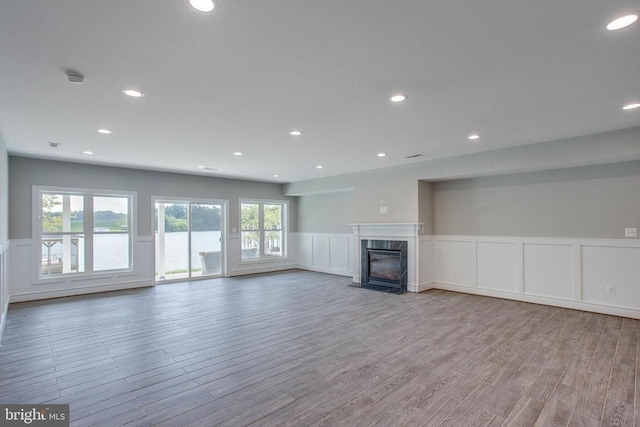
(189, 237)
(263, 229)
(82, 231)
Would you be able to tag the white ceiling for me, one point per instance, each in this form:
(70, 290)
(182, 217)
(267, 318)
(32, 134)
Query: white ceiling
(238, 79)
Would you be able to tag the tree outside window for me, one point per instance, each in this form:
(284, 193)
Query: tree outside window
(262, 229)
(83, 232)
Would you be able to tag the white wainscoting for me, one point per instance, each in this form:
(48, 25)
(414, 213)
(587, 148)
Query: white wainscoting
(604, 266)
(572, 273)
(426, 255)
(497, 266)
(25, 285)
(337, 253)
(237, 267)
(325, 252)
(4, 285)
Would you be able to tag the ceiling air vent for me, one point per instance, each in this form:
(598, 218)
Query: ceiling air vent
(53, 144)
(413, 156)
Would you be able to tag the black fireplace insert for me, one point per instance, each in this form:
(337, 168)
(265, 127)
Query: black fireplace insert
(384, 265)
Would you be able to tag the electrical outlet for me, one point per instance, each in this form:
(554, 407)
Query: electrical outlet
(611, 290)
(630, 232)
(384, 209)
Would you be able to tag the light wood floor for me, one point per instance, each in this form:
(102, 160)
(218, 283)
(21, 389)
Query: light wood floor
(302, 348)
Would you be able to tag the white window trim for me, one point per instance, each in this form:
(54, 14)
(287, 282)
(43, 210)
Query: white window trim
(285, 229)
(36, 233)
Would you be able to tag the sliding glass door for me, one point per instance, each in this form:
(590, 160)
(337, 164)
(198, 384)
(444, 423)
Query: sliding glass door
(189, 239)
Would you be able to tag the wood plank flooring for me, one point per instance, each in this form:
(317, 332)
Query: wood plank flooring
(301, 348)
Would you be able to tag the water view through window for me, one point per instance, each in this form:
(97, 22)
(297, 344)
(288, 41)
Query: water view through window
(84, 232)
(188, 239)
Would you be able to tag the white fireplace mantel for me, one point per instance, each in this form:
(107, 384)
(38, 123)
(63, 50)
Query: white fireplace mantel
(404, 229)
(408, 232)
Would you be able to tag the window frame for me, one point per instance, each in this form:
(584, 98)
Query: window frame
(88, 229)
(284, 224)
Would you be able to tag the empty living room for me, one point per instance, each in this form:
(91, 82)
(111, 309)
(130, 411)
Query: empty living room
(233, 213)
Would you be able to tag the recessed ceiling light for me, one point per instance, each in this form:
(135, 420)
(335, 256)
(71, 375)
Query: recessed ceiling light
(133, 93)
(89, 153)
(474, 137)
(623, 21)
(398, 98)
(104, 131)
(319, 167)
(201, 167)
(237, 153)
(295, 133)
(275, 175)
(202, 5)
(631, 106)
(382, 154)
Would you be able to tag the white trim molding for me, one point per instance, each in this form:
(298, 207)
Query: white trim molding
(4, 285)
(237, 267)
(597, 275)
(332, 253)
(25, 285)
(569, 273)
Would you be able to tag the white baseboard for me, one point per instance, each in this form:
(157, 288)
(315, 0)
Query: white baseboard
(33, 296)
(325, 270)
(420, 287)
(555, 302)
(3, 321)
(256, 270)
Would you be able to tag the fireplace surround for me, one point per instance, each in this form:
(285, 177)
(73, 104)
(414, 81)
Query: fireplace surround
(405, 233)
(384, 265)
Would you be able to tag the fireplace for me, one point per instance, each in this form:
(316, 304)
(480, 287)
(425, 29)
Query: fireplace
(390, 236)
(384, 265)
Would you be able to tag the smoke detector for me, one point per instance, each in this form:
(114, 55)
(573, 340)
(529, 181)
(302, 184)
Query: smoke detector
(75, 77)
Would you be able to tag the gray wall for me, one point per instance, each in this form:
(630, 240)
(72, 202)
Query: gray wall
(397, 187)
(4, 192)
(394, 188)
(26, 172)
(425, 206)
(4, 232)
(583, 202)
(495, 210)
(326, 213)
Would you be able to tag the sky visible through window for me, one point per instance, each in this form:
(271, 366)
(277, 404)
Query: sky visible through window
(114, 204)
